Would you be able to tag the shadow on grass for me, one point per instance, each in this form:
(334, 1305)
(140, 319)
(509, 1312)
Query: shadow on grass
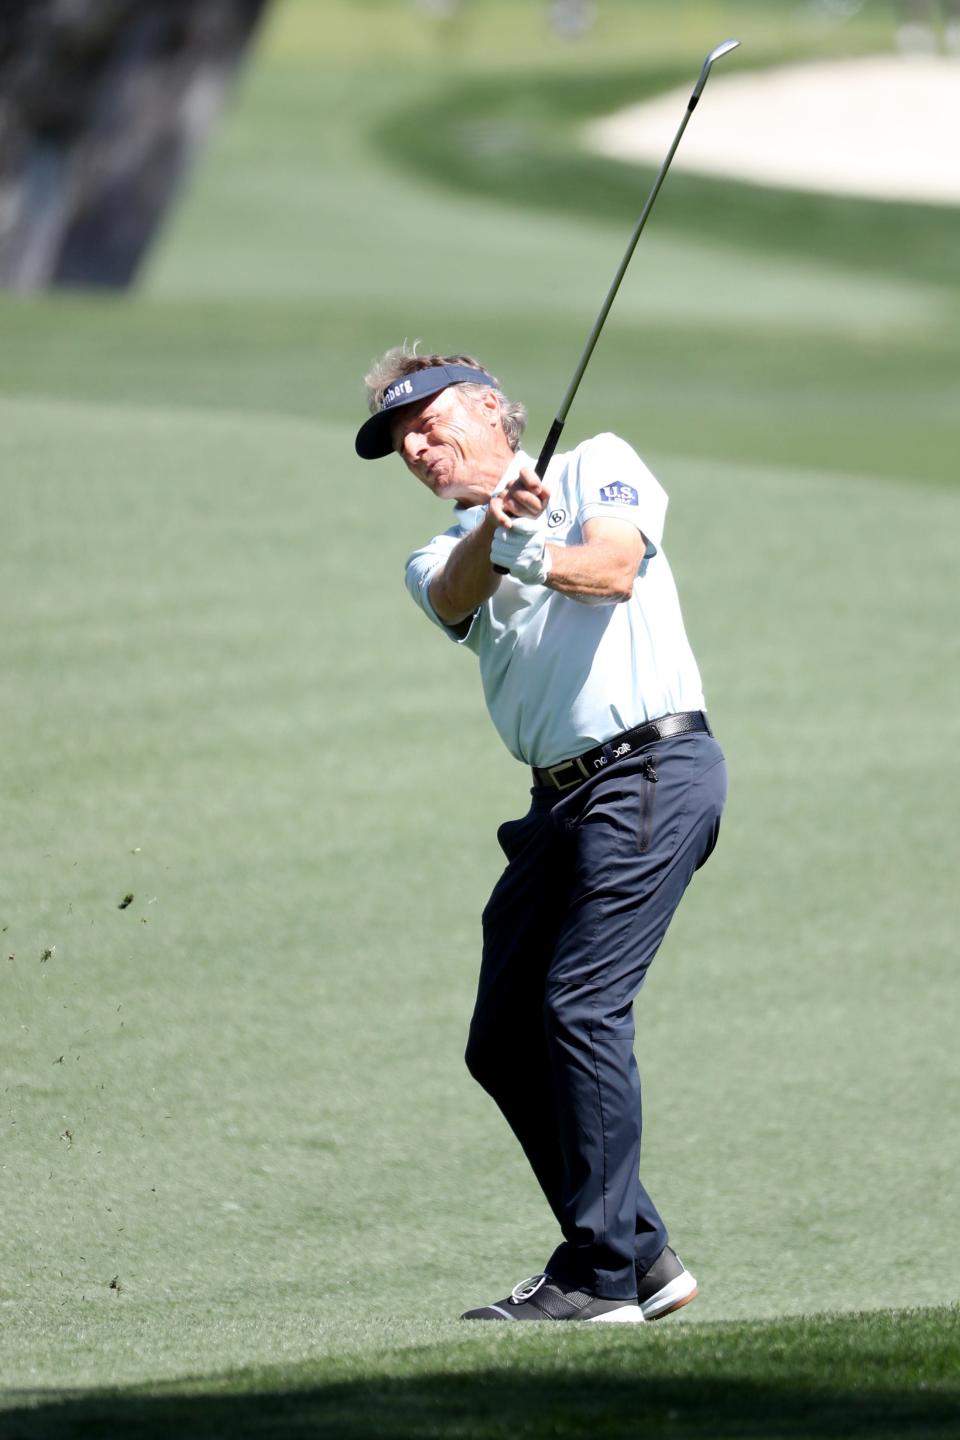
(498, 1403)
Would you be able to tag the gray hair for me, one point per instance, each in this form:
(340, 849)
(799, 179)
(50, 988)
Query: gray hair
(404, 360)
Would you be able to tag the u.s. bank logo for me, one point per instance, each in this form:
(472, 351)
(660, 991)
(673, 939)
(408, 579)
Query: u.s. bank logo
(619, 494)
(555, 518)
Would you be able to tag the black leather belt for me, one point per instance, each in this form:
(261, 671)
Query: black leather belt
(573, 772)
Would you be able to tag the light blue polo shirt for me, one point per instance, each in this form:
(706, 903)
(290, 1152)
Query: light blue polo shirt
(560, 676)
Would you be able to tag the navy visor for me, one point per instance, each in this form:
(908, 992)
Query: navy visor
(374, 439)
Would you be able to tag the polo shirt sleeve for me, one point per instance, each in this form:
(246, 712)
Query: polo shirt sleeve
(421, 568)
(614, 484)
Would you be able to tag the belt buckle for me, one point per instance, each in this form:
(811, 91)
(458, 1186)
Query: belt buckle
(577, 764)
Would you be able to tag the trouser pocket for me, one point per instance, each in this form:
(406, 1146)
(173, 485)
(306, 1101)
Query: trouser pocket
(648, 795)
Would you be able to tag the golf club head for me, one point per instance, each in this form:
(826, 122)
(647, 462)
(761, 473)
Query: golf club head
(716, 54)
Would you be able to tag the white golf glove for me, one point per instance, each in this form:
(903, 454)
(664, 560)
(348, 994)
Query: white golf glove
(522, 549)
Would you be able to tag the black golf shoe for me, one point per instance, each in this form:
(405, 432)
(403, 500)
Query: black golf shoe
(541, 1298)
(666, 1286)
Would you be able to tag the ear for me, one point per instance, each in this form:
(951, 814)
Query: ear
(491, 407)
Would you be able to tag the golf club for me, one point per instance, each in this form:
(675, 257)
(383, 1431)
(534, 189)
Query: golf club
(550, 444)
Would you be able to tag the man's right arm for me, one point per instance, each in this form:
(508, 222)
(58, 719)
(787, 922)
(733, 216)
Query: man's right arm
(467, 577)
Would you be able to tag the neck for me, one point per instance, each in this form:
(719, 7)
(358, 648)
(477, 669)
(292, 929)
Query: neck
(486, 476)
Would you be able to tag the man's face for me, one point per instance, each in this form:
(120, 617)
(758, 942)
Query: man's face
(453, 446)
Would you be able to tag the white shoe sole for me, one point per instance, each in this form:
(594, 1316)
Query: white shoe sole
(626, 1315)
(680, 1291)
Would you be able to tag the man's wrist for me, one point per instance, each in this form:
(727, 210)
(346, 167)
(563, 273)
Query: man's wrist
(522, 551)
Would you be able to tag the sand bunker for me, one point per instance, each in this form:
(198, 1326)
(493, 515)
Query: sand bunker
(885, 127)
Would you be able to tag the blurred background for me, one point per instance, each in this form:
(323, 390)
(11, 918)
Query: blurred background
(250, 798)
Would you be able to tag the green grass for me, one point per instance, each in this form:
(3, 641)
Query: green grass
(241, 1096)
(518, 140)
(882, 1376)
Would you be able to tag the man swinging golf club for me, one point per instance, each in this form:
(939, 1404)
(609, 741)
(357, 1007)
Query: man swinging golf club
(590, 680)
(554, 575)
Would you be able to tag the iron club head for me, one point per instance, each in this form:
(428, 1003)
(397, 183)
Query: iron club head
(714, 55)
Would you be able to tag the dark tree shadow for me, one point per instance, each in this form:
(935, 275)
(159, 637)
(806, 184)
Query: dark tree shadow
(502, 1403)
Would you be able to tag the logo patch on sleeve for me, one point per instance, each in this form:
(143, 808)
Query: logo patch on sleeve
(619, 494)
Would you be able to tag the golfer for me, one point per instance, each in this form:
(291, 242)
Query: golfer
(590, 681)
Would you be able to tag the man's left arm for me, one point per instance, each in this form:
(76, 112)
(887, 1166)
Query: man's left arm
(602, 570)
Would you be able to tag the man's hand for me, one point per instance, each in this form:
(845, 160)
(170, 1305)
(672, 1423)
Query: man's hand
(466, 579)
(518, 545)
(522, 550)
(524, 495)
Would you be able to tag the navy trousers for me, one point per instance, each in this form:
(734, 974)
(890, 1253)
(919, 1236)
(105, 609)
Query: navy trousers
(593, 878)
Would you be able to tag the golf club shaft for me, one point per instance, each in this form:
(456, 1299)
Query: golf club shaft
(550, 444)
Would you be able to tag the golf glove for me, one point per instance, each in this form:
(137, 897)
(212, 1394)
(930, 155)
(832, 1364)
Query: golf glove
(522, 549)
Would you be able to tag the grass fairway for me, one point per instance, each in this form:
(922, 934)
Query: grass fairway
(883, 1376)
(245, 1183)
